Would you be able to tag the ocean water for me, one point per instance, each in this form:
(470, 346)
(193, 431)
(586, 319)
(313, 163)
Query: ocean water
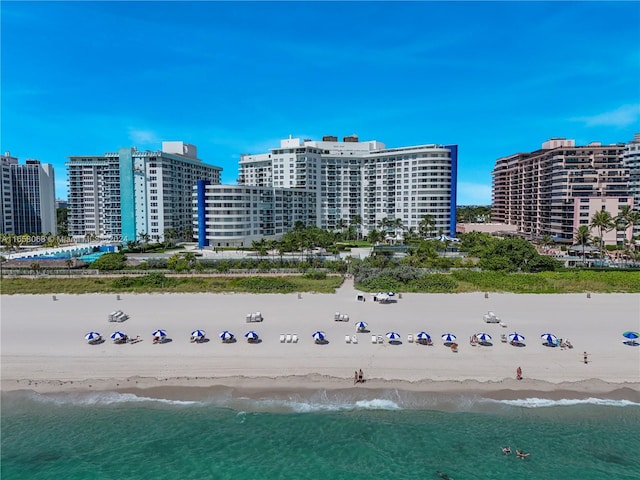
(381, 435)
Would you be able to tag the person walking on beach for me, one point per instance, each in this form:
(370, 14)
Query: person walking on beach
(360, 376)
(519, 373)
(355, 377)
(585, 357)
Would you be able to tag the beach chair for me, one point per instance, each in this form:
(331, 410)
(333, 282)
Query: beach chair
(410, 338)
(282, 338)
(289, 338)
(380, 339)
(336, 316)
(294, 338)
(347, 338)
(354, 339)
(503, 338)
(374, 339)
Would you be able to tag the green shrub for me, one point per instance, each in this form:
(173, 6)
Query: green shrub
(265, 284)
(433, 283)
(315, 274)
(109, 261)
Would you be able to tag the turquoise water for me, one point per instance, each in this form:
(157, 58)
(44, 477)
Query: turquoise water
(323, 436)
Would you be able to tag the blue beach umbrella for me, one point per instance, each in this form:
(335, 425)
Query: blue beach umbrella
(516, 337)
(92, 336)
(483, 337)
(198, 333)
(631, 335)
(159, 333)
(361, 325)
(226, 335)
(393, 336)
(118, 335)
(549, 338)
(448, 337)
(318, 335)
(251, 334)
(423, 336)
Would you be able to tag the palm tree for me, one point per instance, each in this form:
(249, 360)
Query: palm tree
(374, 236)
(627, 218)
(582, 237)
(604, 222)
(2, 260)
(341, 224)
(69, 264)
(426, 226)
(144, 239)
(356, 221)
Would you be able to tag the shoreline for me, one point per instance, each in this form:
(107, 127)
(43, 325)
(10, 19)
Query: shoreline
(200, 389)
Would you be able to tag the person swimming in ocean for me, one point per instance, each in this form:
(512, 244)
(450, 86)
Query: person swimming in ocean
(521, 454)
(444, 476)
(506, 450)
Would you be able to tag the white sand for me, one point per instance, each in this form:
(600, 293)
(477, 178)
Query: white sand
(43, 341)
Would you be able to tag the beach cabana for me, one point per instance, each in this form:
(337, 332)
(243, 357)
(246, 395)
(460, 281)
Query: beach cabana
(93, 337)
(251, 336)
(118, 337)
(227, 336)
(448, 338)
(394, 337)
(159, 335)
(361, 326)
(632, 338)
(423, 338)
(198, 336)
(516, 339)
(549, 339)
(319, 337)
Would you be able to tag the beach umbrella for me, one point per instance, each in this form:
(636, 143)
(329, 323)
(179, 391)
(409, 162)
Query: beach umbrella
(226, 335)
(483, 337)
(516, 337)
(159, 333)
(393, 336)
(631, 335)
(549, 338)
(448, 337)
(318, 335)
(251, 334)
(118, 335)
(423, 336)
(361, 325)
(198, 333)
(92, 336)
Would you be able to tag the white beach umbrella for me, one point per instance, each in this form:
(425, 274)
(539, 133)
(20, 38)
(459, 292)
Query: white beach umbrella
(159, 333)
(198, 333)
(549, 338)
(448, 337)
(92, 336)
(361, 325)
(393, 336)
(318, 335)
(483, 337)
(251, 334)
(226, 335)
(118, 335)
(515, 337)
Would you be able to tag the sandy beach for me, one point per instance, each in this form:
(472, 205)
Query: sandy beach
(43, 346)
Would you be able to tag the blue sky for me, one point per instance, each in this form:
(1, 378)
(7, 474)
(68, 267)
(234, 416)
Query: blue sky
(235, 77)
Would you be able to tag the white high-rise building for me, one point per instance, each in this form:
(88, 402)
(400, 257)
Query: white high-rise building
(125, 195)
(27, 197)
(363, 181)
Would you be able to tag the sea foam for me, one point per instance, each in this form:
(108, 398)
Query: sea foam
(566, 402)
